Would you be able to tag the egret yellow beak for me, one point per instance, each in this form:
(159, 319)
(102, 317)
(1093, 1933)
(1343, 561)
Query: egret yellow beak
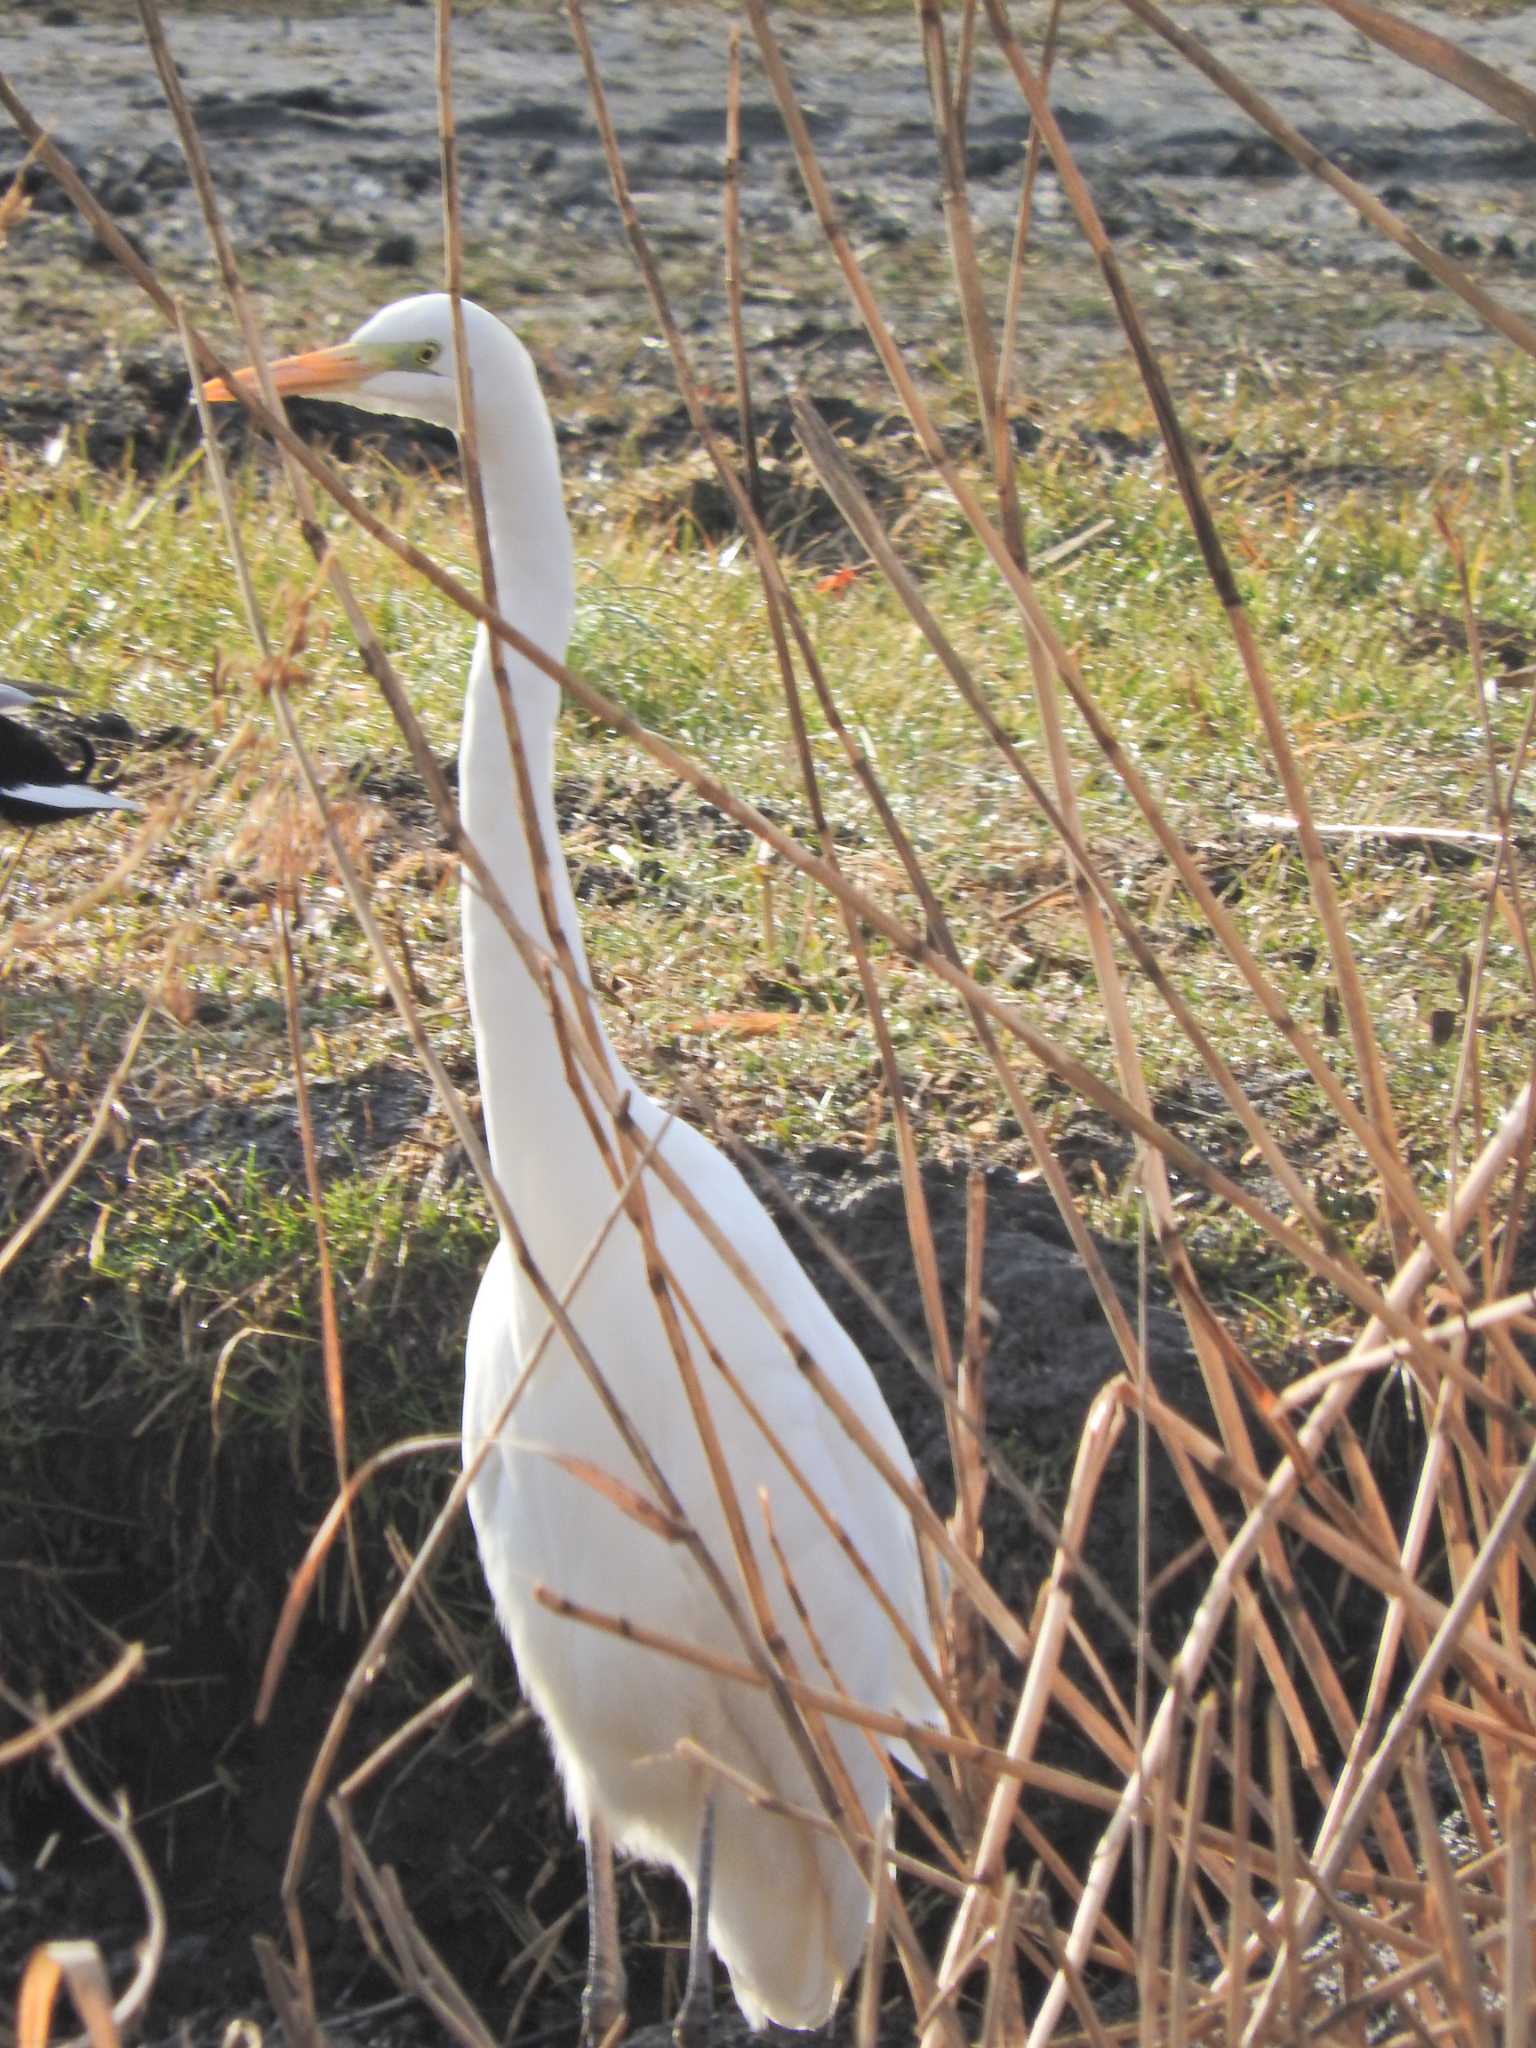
(318, 369)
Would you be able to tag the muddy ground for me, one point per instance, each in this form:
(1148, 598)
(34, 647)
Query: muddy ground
(321, 132)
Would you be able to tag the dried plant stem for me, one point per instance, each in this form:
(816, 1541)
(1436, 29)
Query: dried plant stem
(116, 1824)
(78, 1965)
(1442, 58)
(48, 1202)
(1001, 438)
(1520, 1833)
(1462, 1977)
(1382, 1152)
(1202, 1635)
(1224, 583)
(1098, 1438)
(949, 129)
(48, 1725)
(432, 1715)
(330, 1328)
(417, 1967)
(731, 229)
(1514, 1512)
(866, 2022)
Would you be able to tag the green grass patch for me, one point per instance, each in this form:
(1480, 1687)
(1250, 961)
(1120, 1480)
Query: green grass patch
(1328, 500)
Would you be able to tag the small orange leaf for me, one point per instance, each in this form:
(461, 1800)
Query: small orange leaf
(835, 584)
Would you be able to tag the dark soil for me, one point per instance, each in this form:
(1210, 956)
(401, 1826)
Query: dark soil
(194, 1553)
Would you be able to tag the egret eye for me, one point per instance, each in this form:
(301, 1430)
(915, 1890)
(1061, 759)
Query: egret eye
(426, 353)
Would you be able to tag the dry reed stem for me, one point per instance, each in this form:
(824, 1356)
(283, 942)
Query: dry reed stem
(975, 1678)
(949, 125)
(731, 237)
(1201, 1638)
(116, 1823)
(866, 2019)
(78, 1967)
(555, 935)
(1520, 1834)
(1515, 1510)
(330, 1326)
(1186, 1897)
(1288, 1971)
(1442, 59)
(49, 1724)
(302, 1583)
(81, 1157)
(1218, 569)
(1002, 438)
(431, 1716)
(781, 609)
(1239, 1892)
(1515, 1309)
(418, 1968)
(1099, 1434)
(1463, 1983)
(1152, 1902)
(1000, 2015)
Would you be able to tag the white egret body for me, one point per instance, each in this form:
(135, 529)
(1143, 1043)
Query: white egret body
(788, 1906)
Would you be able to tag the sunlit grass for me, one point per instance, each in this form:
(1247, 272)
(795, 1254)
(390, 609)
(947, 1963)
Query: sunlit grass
(1328, 501)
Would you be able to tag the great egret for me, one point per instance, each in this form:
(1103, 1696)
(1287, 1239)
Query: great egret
(788, 1906)
(37, 787)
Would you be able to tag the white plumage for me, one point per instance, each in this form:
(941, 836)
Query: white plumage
(788, 1906)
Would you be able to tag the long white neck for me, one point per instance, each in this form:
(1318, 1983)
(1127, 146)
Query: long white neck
(533, 1121)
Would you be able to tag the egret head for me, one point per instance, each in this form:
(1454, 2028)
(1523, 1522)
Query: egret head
(399, 362)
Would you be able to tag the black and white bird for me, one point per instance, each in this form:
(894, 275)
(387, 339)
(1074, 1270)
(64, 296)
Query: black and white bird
(37, 786)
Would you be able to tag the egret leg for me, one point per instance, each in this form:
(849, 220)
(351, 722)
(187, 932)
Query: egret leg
(691, 2028)
(602, 2003)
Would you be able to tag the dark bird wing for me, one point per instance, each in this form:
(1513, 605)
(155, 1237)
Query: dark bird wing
(36, 785)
